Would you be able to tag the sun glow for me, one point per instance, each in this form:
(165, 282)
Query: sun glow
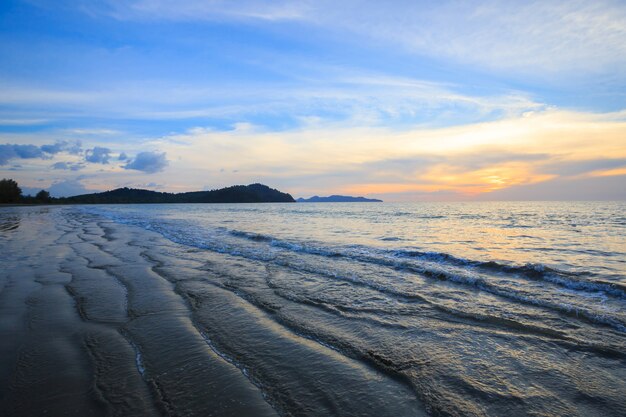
(467, 160)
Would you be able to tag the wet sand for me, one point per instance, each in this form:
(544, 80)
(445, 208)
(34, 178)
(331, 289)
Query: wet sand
(98, 318)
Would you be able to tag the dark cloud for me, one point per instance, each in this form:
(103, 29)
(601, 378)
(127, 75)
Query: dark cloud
(67, 166)
(27, 151)
(593, 188)
(73, 148)
(14, 151)
(9, 151)
(400, 168)
(98, 155)
(571, 168)
(122, 157)
(60, 165)
(149, 162)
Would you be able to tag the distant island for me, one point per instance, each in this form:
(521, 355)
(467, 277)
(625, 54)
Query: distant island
(338, 199)
(10, 193)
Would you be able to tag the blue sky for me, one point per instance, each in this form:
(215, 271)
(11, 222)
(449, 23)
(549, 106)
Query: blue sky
(403, 100)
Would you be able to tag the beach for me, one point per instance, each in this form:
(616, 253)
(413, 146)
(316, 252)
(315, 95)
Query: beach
(100, 316)
(297, 208)
(99, 319)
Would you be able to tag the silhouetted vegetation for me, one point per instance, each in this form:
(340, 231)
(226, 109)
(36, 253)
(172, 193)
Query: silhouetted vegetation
(43, 197)
(338, 199)
(253, 193)
(10, 192)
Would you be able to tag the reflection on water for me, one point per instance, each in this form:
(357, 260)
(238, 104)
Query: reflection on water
(481, 308)
(9, 222)
(12, 217)
(577, 237)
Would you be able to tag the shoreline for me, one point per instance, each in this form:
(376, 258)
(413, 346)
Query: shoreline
(79, 329)
(99, 319)
(252, 311)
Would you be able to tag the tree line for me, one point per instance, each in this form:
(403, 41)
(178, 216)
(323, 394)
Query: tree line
(11, 193)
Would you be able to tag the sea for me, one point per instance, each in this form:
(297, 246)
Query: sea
(476, 308)
(567, 257)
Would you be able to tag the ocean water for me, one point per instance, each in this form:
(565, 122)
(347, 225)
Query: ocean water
(447, 309)
(480, 308)
(565, 256)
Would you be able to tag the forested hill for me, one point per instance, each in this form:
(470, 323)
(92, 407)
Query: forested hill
(253, 193)
(338, 199)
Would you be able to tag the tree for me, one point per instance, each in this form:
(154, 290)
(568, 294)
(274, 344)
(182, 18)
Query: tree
(10, 192)
(43, 196)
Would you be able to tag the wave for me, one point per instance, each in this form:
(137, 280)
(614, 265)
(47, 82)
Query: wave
(9, 223)
(534, 271)
(477, 282)
(436, 265)
(257, 237)
(570, 280)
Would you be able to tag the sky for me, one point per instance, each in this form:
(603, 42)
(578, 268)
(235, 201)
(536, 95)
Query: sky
(399, 100)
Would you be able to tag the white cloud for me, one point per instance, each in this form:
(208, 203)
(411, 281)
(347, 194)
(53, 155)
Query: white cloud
(473, 158)
(531, 36)
(148, 162)
(98, 155)
(346, 94)
(422, 162)
(215, 9)
(22, 122)
(93, 132)
(527, 37)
